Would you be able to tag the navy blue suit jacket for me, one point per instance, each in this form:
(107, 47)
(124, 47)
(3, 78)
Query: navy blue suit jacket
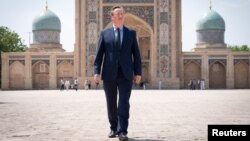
(108, 55)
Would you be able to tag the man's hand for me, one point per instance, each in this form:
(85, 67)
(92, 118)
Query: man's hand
(137, 79)
(97, 78)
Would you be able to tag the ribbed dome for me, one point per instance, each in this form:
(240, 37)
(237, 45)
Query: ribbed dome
(211, 20)
(47, 20)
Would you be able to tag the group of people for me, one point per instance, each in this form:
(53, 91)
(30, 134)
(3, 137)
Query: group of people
(66, 84)
(196, 84)
(87, 84)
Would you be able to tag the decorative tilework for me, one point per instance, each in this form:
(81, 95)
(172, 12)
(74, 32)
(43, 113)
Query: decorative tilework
(222, 61)
(164, 65)
(144, 12)
(46, 36)
(163, 45)
(92, 15)
(64, 57)
(16, 57)
(217, 56)
(236, 61)
(92, 5)
(12, 61)
(164, 49)
(164, 34)
(90, 71)
(92, 33)
(196, 61)
(92, 48)
(128, 1)
(163, 5)
(192, 56)
(241, 56)
(35, 61)
(60, 61)
(40, 56)
(92, 22)
(210, 36)
(164, 17)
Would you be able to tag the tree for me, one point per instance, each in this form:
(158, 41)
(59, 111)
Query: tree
(10, 41)
(236, 48)
(244, 48)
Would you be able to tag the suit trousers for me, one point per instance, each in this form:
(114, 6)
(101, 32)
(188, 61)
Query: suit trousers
(118, 115)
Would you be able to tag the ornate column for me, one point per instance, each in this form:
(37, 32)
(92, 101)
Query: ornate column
(176, 48)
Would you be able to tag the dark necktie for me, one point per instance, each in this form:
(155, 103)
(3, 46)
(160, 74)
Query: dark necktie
(118, 39)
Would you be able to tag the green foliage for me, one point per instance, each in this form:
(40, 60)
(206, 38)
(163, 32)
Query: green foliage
(236, 48)
(10, 41)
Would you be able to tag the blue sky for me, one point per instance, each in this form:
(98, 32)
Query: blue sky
(19, 14)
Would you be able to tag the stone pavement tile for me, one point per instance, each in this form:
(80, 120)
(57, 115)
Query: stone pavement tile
(167, 115)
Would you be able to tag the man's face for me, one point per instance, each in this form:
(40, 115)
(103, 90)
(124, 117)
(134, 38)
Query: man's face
(118, 17)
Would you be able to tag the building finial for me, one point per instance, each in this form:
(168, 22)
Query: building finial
(210, 6)
(46, 6)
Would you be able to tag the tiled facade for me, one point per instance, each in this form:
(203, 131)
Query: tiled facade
(158, 26)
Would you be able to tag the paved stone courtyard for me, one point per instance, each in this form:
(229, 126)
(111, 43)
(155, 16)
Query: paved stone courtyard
(166, 115)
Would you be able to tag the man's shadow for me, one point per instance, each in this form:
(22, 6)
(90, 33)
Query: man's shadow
(131, 139)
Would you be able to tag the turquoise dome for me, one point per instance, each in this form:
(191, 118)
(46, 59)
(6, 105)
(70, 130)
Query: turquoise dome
(211, 20)
(47, 20)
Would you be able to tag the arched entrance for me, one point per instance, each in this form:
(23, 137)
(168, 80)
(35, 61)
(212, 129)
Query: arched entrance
(17, 72)
(65, 71)
(217, 76)
(40, 75)
(241, 75)
(192, 71)
(144, 36)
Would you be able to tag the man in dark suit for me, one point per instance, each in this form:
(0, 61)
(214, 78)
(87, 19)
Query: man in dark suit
(119, 56)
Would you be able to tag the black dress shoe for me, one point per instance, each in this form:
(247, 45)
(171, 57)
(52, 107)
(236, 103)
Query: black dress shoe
(112, 134)
(123, 137)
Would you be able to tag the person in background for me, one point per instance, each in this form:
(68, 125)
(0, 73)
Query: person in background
(67, 84)
(86, 84)
(61, 84)
(76, 84)
(96, 85)
(160, 85)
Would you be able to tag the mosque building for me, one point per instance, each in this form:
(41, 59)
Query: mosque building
(159, 32)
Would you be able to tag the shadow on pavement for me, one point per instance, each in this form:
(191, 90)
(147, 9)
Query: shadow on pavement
(131, 139)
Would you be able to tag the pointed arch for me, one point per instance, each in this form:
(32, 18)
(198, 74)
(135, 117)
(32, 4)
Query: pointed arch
(141, 24)
(65, 71)
(192, 71)
(40, 75)
(241, 75)
(145, 39)
(17, 75)
(217, 75)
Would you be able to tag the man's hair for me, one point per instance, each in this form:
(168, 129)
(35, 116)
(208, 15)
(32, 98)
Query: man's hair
(116, 7)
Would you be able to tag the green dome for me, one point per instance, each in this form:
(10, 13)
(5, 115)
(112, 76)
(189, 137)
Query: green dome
(211, 20)
(47, 20)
